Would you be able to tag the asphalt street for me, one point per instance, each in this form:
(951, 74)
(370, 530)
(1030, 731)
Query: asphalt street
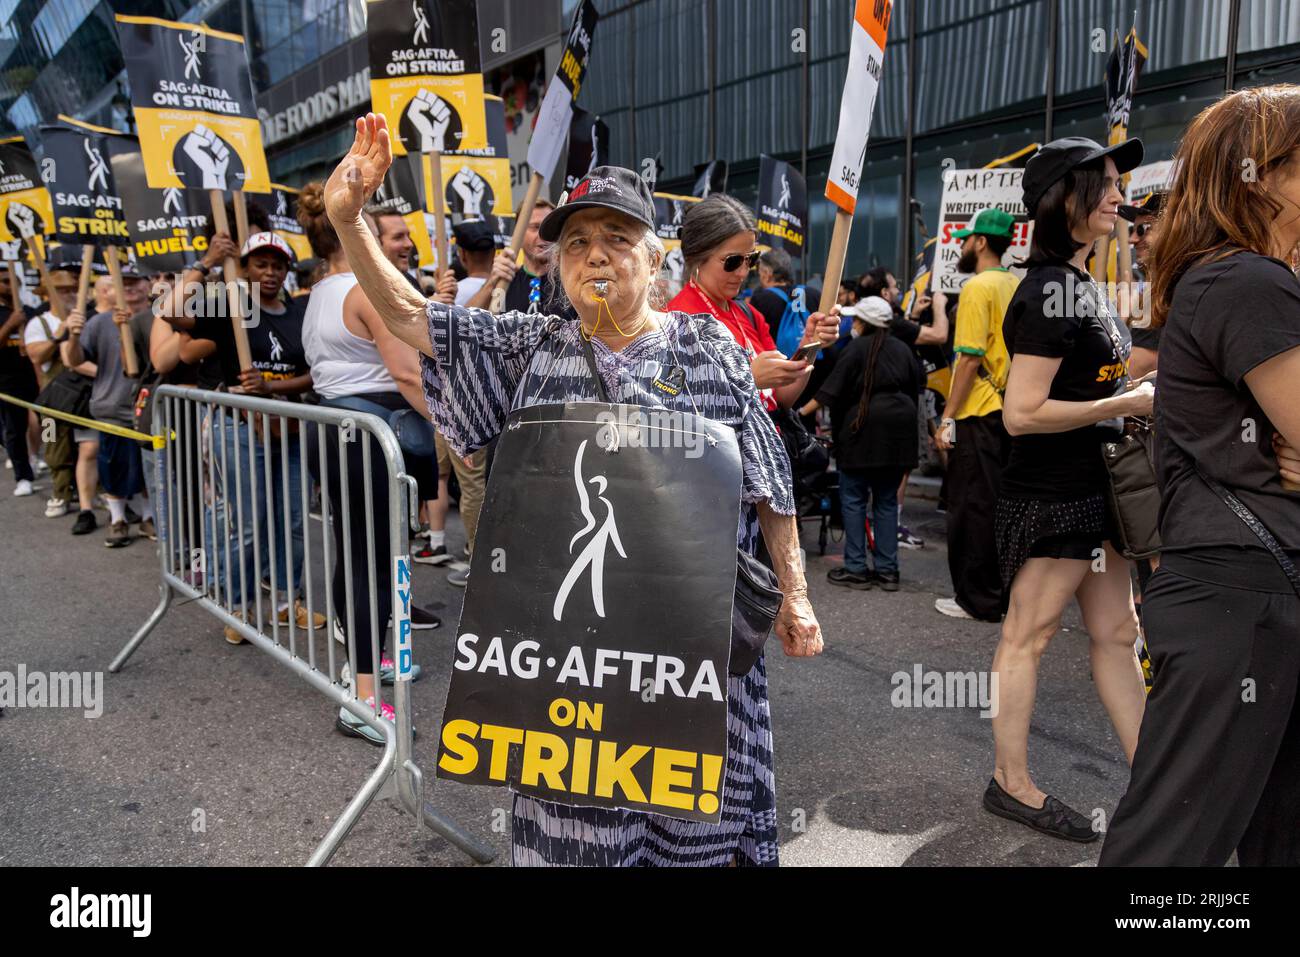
(197, 731)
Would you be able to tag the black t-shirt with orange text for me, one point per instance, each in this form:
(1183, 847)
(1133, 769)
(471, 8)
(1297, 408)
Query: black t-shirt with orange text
(1059, 312)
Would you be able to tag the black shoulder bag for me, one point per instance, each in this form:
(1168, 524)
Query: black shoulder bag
(757, 600)
(1132, 489)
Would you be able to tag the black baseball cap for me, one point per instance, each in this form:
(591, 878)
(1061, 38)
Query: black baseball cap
(65, 257)
(1055, 159)
(605, 187)
(1148, 205)
(475, 236)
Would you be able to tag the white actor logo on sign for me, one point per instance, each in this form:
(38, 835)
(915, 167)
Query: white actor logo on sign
(594, 552)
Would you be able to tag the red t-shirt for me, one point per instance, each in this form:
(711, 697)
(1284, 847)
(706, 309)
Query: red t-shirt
(753, 337)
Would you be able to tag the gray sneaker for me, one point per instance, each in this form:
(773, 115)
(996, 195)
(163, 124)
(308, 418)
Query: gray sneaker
(353, 726)
(119, 534)
(459, 576)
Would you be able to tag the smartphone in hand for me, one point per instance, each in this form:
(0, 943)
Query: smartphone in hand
(807, 353)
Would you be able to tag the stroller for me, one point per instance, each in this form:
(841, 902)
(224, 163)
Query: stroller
(816, 485)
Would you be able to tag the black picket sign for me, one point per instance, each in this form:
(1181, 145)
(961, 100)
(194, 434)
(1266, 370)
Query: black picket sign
(588, 146)
(166, 225)
(591, 658)
(87, 207)
(782, 206)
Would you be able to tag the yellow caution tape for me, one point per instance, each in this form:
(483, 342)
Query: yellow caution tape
(156, 441)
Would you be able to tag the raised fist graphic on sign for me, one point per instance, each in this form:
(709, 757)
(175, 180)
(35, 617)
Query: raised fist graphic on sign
(470, 188)
(206, 149)
(431, 116)
(22, 220)
(675, 263)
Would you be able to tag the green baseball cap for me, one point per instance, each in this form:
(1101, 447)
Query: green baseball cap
(987, 222)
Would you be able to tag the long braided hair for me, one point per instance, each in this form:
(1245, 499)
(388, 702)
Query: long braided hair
(869, 374)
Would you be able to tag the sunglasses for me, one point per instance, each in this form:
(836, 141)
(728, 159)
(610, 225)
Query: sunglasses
(732, 263)
(1142, 229)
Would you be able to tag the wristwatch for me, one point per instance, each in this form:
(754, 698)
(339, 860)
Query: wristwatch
(200, 267)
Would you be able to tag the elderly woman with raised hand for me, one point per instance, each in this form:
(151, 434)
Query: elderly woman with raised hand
(478, 367)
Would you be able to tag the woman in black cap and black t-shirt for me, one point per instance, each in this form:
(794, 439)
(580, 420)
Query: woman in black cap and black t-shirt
(1067, 391)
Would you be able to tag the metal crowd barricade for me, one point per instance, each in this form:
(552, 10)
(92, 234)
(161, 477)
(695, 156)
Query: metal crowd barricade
(214, 440)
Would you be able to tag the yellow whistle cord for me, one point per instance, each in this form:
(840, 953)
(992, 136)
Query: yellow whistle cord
(601, 309)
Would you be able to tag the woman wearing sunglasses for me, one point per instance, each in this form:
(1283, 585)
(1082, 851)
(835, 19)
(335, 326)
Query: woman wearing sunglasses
(718, 246)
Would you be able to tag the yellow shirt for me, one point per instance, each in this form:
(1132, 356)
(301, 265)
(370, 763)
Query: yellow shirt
(980, 310)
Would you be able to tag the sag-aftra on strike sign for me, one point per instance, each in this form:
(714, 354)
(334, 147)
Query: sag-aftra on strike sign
(425, 75)
(194, 107)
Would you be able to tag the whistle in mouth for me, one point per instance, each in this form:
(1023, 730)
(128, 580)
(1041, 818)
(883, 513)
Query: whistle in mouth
(601, 286)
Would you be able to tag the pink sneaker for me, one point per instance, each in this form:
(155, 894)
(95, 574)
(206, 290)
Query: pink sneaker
(385, 709)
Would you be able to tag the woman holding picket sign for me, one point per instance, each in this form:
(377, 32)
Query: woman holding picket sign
(478, 367)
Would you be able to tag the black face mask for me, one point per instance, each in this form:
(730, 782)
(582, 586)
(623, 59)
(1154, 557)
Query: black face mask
(969, 260)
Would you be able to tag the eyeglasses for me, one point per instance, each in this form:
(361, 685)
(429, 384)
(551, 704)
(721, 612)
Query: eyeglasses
(1142, 229)
(732, 263)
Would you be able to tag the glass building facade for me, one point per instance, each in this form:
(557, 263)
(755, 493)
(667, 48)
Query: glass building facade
(688, 81)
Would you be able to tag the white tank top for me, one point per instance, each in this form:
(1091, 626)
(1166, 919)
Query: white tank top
(342, 363)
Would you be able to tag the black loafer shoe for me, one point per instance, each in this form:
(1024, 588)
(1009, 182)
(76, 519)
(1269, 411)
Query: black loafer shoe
(1053, 818)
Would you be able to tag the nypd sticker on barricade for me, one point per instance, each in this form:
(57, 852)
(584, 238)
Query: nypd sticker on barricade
(402, 615)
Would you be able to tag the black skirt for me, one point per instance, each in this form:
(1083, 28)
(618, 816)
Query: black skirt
(1032, 528)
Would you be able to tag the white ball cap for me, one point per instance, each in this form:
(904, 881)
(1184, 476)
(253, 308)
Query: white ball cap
(266, 240)
(872, 310)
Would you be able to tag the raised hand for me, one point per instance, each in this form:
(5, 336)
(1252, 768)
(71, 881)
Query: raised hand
(360, 171)
(431, 116)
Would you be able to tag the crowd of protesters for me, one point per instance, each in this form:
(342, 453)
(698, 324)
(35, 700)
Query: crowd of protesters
(1029, 394)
